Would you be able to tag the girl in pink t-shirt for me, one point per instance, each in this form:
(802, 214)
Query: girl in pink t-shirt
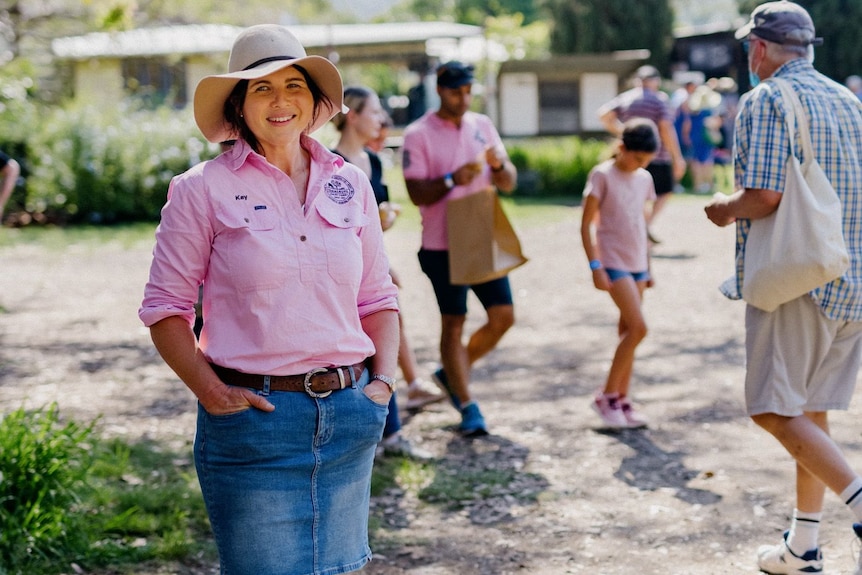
(614, 232)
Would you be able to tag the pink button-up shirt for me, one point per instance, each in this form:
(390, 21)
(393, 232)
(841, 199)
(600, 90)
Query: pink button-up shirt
(434, 147)
(285, 286)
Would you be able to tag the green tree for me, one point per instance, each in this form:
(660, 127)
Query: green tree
(587, 26)
(246, 13)
(838, 22)
(477, 11)
(422, 10)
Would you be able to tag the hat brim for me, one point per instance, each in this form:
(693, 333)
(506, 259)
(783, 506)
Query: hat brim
(743, 32)
(748, 29)
(212, 92)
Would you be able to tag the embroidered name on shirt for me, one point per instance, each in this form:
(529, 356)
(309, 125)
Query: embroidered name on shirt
(339, 190)
(238, 197)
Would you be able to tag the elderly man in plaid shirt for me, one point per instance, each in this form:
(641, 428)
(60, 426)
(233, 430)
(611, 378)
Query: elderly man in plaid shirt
(802, 358)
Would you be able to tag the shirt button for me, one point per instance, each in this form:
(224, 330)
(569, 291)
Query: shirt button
(246, 220)
(302, 238)
(346, 220)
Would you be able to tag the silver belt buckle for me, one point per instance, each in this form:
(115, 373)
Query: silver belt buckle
(306, 384)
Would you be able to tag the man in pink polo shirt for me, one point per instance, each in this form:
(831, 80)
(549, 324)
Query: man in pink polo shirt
(451, 153)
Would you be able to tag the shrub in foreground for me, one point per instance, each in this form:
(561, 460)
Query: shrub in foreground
(70, 500)
(43, 466)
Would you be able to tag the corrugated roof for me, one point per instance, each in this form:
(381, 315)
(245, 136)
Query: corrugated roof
(210, 38)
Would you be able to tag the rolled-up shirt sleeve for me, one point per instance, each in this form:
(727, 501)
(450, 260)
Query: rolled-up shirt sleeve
(377, 292)
(183, 240)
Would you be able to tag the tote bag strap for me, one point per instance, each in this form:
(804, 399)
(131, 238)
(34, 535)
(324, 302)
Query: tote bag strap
(795, 114)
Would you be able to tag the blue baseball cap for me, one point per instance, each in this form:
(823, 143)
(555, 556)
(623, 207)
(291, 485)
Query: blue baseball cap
(454, 74)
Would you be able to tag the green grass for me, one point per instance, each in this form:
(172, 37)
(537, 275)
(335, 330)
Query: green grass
(67, 495)
(56, 238)
(43, 467)
(148, 501)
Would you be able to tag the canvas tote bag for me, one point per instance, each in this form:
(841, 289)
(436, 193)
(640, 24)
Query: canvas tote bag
(800, 246)
(483, 245)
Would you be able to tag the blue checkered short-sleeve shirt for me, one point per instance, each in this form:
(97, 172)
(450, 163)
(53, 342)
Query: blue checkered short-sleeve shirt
(761, 147)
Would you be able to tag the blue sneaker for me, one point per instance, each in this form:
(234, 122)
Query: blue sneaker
(472, 422)
(442, 382)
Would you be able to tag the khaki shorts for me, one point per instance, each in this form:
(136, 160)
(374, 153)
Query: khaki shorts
(799, 360)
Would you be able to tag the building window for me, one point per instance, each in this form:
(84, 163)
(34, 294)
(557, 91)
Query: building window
(558, 105)
(155, 81)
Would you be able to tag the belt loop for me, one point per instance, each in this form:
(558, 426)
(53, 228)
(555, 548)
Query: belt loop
(265, 390)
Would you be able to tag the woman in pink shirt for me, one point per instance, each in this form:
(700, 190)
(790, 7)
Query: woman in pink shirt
(614, 233)
(293, 370)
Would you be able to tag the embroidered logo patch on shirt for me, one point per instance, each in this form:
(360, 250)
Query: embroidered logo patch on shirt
(339, 190)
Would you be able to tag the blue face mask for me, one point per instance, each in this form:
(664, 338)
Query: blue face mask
(753, 79)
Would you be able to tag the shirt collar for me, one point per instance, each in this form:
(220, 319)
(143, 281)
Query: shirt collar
(794, 66)
(240, 153)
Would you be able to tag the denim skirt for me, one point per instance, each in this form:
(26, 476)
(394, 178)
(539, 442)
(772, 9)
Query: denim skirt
(287, 492)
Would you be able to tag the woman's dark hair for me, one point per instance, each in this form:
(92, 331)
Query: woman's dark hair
(640, 135)
(235, 101)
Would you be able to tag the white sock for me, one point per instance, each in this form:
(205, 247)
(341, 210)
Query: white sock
(804, 530)
(852, 496)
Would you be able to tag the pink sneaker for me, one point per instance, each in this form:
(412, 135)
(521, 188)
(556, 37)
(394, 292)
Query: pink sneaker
(609, 409)
(633, 419)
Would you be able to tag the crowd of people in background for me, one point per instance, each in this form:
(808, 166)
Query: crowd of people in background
(703, 113)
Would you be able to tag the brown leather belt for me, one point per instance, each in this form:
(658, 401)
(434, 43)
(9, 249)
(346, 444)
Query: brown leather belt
(318, 382)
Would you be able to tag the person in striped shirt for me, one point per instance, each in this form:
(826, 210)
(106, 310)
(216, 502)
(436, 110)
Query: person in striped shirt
(647, 101)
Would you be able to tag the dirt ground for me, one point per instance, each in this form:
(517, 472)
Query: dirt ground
(696, 493)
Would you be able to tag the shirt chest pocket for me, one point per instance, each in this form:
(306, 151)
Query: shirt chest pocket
(342, 224)
(252, 249)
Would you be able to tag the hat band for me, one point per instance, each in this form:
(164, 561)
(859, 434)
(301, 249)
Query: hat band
(267, 60)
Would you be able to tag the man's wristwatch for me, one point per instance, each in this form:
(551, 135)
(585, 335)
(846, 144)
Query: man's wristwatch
(390, 381)
(449, 181)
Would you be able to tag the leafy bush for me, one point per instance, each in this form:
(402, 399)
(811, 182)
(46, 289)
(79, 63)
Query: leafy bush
(19, 116)
(43, 466)
(107, 166)
(555, 166)
(67, 496)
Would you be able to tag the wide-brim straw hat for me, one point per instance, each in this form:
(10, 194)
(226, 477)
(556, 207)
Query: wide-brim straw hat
(257, 52)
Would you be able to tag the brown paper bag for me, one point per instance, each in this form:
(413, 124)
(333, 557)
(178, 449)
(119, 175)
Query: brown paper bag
(482, 244)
